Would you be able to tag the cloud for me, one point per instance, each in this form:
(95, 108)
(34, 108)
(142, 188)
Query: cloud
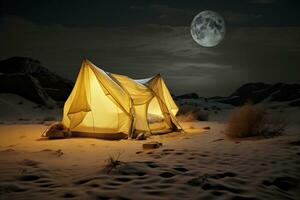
(166, 11)
(246, 54)
(165, 14)
(238, 19)
(262, 1)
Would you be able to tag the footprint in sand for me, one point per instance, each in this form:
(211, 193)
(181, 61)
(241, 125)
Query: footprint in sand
(46, 150)
(284, 182)
(218, 140)
(29, 163)
(216, 186)
(181, 169)
(94, 185)
(123, 198)
(152, 165)
(29, 177)
(68, 195)
(12, 145)
(10, 150)
(217, 193)
(123, 179)
(157, 156)
(100, 197)
(57, 153)
(168, 150)
(83, 181)
(114, 183)
(222, 175)
(203, 155)
(198, 181)
(295, 143)
(166, 175)
(11, 188)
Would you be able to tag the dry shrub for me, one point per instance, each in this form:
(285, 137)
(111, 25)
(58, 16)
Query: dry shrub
(113, 162)
(253, 120)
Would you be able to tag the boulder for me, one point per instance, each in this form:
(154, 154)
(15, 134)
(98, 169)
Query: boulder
(24, 76)
(258, 92)
(57, 131)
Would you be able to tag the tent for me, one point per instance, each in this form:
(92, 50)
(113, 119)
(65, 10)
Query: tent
(108, 105)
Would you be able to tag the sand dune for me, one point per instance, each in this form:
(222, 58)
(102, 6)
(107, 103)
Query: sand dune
(200, 164)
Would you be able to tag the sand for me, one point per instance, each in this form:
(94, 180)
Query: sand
(199, 164)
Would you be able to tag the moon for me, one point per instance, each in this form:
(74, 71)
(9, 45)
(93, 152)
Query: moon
(208, 28)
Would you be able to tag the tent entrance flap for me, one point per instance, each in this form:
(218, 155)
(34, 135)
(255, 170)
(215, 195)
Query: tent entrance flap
(155, 116)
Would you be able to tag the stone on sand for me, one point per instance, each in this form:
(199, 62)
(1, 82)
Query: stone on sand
(152, 145)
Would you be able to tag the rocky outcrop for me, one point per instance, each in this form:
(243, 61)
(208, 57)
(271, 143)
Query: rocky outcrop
(259, 92)
(250, 93)
(28, 78)
(25, 86)
(187, 96)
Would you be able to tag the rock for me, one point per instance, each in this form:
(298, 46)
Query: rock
(140, 136)
(57, 131)
(206, 127)
(152, 145)
(29, 79)
(258, 92)
(25, 86)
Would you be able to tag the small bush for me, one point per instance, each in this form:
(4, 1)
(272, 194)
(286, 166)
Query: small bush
(253, 120)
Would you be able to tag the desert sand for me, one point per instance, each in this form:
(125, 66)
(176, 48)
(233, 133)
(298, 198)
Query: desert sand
(197, 164)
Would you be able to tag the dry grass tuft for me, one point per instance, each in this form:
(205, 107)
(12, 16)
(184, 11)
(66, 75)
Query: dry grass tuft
(253, 120)
(113, 162)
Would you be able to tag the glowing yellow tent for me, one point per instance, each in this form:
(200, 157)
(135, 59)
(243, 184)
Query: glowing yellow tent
(110, 105)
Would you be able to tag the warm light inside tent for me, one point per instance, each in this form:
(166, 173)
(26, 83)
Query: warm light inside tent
(105, 103)
(154, 108)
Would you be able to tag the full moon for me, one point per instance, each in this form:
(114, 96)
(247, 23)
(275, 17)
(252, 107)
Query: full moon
(208, 28)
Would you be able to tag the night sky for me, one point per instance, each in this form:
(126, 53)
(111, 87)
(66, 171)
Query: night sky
(142, 38)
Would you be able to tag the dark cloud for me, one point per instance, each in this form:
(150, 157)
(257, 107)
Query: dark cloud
(268, 54)
(78, 13)
(263, 1)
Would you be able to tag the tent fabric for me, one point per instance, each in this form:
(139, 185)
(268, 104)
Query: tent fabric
(105, 104)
